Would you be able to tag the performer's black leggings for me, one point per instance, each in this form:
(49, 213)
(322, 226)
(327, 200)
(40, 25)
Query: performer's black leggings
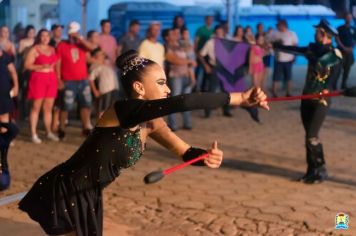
(313, 115)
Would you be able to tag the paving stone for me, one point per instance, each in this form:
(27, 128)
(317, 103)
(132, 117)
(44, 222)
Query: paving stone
(262, 227)
(246, 224)
(203, 217)
(264, 217)
(237, 212)
(229, 229)
(191, 205)
(299, 216)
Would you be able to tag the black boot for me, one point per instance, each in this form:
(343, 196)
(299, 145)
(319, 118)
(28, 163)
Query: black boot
(227, 111)
(320, 175)
(207, 113)
(319, 172)
(4, 170)
(5, 139)
(310, 163)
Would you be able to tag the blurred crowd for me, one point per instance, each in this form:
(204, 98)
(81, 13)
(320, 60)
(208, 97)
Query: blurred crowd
(44, 72)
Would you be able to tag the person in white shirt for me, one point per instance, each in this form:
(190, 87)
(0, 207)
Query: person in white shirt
(207, 57)
(283, 61)
(103, 81)
(150, 48)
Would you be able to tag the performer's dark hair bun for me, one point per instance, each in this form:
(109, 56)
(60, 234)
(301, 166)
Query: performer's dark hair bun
(123, 59)
(133, 68)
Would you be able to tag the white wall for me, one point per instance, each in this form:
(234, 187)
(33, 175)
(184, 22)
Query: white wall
(98, 9)
(28, 12)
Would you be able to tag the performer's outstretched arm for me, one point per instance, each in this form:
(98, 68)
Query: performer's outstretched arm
(135, 111)
(131, 112)
(291, 49)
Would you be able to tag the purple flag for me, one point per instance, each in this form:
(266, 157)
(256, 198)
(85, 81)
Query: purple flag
(231, 68)
(231, 64)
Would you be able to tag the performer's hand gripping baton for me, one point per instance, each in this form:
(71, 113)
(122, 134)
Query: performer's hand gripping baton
(156, 176)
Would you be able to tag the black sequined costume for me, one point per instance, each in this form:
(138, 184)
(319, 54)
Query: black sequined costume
(322, 71)
(69, 197)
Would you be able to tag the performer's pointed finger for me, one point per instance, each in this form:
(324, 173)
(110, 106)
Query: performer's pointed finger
(264, 105)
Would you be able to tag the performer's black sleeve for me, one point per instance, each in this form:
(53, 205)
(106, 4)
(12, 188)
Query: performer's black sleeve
(132, 112)
(291, 49)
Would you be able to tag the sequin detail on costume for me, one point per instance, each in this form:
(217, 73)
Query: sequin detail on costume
(133, 142)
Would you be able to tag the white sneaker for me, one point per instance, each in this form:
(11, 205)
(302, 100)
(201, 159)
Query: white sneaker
(35, 139)
(53, 137)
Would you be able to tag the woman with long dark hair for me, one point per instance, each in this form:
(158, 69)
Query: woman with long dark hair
(239, 34)
(68, 199)
(42, 87)
(26, 43)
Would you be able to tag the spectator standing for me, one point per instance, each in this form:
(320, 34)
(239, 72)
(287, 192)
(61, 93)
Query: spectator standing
(150, 48)
(346, 41)
(131, 40)
(178, 26)
(186, 43)
(6, 45)
(208, 59)
(202, 35)
(178, 74)
(9, 48)
(179, 23)
(18, 33)
(8, 86)
(42, 87)
(267, 50)
(107, 42)
(93, 39)
(26, 43)
(56, 31)
(283, 61)
(248, 35)
(256, 66)
(238, 34)
(103, 81)
(73, 78)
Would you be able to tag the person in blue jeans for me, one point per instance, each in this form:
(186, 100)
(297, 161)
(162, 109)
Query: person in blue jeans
(178, 68)
(180, 85)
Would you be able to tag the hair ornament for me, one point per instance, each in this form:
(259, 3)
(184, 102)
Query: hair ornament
(134, 64)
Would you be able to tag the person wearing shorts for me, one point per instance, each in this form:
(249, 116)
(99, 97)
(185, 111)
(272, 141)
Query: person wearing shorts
(42, 88)
(73, 78)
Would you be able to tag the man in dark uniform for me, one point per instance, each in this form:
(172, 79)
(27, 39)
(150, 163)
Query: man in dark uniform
(322, 58)
(346, 41)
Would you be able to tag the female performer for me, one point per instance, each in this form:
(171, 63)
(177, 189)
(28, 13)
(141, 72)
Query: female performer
(322, 60)
(68, 199)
